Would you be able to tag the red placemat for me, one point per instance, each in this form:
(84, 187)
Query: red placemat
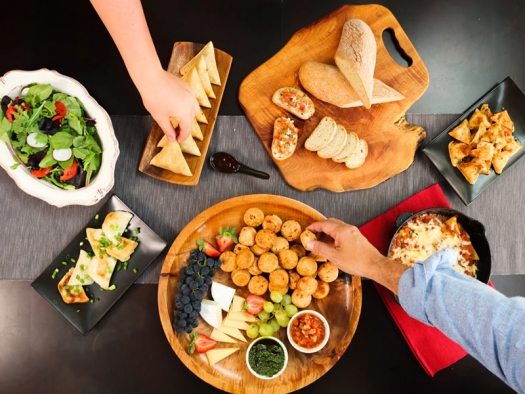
(430, 346)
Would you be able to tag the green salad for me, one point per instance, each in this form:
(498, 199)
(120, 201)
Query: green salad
(50, 134)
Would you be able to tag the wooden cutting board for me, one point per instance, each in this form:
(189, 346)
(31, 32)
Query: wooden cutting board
(392, 142)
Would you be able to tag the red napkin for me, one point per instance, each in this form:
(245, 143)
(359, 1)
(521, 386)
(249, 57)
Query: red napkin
(430, 346)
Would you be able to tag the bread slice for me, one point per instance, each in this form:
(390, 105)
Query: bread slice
(322, 135)
(352, 141)
(294, 101)
(357, 158)
(337, 144)
(327, 83)
(356, 58)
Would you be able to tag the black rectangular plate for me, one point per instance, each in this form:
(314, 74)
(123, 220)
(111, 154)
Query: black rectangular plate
(506, 95)
(85, 316)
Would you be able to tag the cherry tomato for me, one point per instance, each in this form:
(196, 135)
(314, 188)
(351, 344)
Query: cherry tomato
(41, 172)
(60, 110)
(11, 111)
(25, 106)
(70, 172)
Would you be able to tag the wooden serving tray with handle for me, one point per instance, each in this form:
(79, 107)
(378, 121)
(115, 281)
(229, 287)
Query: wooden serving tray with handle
(392, 142)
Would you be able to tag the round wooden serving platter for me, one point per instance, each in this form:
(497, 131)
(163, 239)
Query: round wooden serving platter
(341, 307)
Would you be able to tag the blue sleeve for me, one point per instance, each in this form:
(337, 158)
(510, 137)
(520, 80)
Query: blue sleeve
(488, 325)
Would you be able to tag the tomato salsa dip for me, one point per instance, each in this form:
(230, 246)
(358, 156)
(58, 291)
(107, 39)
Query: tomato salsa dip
(307, 331)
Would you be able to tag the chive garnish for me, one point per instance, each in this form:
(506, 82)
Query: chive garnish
(73, 261)
(55, 302)
(137, 230)
(78, 310)
(81, 243)
(64, 263)
(112, 287)
(135, 270)
(55, 272)
(97, 299)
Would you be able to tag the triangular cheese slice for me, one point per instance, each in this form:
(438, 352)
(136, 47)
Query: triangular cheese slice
(232, 332)
(219, 336)
(171, 159)
(80, 275)
(216, 355)
(208, 52)
(202, 70)
(237, 304)
(192, 79)
(196, 131)
(241, 325)
(115, 224)
(242, 316)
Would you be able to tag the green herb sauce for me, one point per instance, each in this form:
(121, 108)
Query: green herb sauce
(266, 358)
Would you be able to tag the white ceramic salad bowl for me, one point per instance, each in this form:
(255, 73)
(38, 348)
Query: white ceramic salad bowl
(11, 85)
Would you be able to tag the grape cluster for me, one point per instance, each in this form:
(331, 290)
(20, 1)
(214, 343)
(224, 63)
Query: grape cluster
(275, 315)
(195, 280)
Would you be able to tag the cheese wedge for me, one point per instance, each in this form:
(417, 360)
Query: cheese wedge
(232, 332)
(211, 312)
(223, 295)
(219, 336)
(241, 325)
(80, 275)
(237, 304)
(241, 316)
(216, 355)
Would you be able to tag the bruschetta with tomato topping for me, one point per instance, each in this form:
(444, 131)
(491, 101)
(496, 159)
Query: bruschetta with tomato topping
(294, 101)
(285, 136)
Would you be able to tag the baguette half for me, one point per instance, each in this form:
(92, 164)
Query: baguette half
(322, 135)
(356, 58)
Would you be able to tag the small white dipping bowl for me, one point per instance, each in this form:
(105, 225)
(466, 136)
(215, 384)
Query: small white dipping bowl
(320, 345)
(278, 342)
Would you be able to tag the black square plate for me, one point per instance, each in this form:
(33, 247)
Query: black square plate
(506, 95)
(85, 316)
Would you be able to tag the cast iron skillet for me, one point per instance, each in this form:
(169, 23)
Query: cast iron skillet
(475, 230)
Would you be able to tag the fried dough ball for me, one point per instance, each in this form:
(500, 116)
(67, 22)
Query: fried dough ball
(301, 252)
(279, 245)
(328, 272)
(307, 236)
(291, 230)
(247, 236)
(258, 285)
(253, 217)
(306, 285)
(257, 250)
(254, 268)
(238, 247)
(268, 262)
(288, 259)
(240, 277)
(244, 258)
(279, 278)
(282, 290)
(265, 238)
(228, 261)
(322, 291)
(294, 278)
(272, 223)
(306, 266)
(319, 259)
(301, 300)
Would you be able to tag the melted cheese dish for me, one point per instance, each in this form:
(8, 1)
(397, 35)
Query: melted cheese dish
(429, 233)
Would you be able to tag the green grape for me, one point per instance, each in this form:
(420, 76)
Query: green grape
(268, 307)
(277, 307)
(284, 321)
(264, 315)
(276, 296)
(279, 315)
(287, 300)
(266, 330)
(275, 325)
(290, 310)
(253, 331)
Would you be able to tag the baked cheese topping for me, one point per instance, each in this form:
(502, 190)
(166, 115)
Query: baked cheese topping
(429, 233)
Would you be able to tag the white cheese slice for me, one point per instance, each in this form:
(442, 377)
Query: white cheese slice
(241, 325)
(242, 316)
(222, 294)
(80, 274)
(211, 312)
(216, 355)
(237, 304)
(219, 336)
(232, 332)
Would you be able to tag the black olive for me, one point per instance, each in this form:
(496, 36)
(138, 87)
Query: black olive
(91, 123)
(79, 180)
(6, 100)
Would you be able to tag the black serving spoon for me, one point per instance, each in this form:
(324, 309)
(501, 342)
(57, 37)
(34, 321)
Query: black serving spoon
(224, 162)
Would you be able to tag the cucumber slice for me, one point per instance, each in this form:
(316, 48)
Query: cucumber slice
(62, 154)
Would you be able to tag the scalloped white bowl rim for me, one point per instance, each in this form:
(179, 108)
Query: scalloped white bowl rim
(11, 84)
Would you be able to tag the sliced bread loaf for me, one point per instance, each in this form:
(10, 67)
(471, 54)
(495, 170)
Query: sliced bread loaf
(337, 144)
(356, 58)
(322, 135)
(357, 158)
(352, 141)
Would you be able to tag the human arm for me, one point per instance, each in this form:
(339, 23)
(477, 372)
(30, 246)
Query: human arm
(163, 94)
(488, 325)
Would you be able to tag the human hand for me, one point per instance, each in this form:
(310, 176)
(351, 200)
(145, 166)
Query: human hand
(166, 96)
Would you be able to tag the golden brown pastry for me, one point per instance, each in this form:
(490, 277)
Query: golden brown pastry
(294, 278)
(306, 266)
(288, 259)
(279, 278)
(306, 285)
(265, 238)
(272, 223)
(279, 245)
(253, 217)
(328, 272)
(307, 236)
(268, 262)
(291, 230)
(228, 261)
(258, 285)
(254, 268)
(247, 236)
(301, 252)
(240, 277)
(257, 250)
(323, 289)
(301, 300)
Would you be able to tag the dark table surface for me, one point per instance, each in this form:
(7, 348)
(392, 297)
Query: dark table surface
(468, 46)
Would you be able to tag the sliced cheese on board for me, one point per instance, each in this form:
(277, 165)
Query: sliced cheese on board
(241, 325)
(237, 304)
(232, 332)
(219, 336)
(211, 312)
(242, 316)
(222, 294)
(216, 355)
(80, 274)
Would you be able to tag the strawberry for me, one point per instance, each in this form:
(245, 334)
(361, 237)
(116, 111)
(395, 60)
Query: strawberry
(200, 343)
(226, 238)
(254, 304)
(208, 248)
